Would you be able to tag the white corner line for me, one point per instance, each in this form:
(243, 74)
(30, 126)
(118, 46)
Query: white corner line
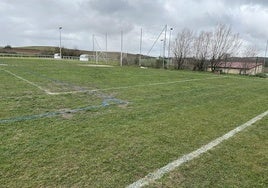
(188, 157)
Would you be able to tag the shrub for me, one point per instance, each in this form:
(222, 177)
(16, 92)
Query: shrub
(7, 47)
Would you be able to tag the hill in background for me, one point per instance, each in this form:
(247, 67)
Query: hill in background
(50, 50)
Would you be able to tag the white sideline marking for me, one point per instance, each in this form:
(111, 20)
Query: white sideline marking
(127, 87)
(188, 157)
(3, 64)
(29, 82)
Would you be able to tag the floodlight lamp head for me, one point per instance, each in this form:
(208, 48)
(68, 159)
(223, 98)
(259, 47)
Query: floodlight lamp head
(60, 27)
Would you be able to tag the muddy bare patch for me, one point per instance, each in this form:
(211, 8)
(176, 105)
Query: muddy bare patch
(67, 116)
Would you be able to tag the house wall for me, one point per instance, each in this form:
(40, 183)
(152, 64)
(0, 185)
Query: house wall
(240, 71)
(252, 71)
(227, 71)
(230, 71)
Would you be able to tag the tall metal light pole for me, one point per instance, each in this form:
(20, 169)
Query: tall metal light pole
(106, 47)
(169, 58)
(164, 46)
(121, 54)
(140, 48)
(60, 28)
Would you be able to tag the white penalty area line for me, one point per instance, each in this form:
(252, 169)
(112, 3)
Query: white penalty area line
(112, 88)
(133, 86)
(27, 81)
(188, 157)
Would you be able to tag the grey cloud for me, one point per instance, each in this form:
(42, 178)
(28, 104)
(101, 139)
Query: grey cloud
(108, 7)
(36, 22)
(245, 2)
(135, 11)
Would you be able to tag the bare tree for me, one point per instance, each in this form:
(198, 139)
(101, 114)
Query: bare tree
(182, 48)
(223, 43)
(201, 50)
(250, 51)
(212, 46)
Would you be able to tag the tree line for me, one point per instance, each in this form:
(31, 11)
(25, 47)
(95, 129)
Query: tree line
(208, 48)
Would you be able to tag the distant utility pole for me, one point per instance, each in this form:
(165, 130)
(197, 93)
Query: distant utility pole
(169, 58)
(60, 28)
(121, 54)
(140, 48)
(164, 46)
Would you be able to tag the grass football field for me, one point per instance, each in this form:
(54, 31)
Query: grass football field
(64, 124)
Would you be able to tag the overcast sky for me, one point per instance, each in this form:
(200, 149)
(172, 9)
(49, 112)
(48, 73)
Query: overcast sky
(36, 22)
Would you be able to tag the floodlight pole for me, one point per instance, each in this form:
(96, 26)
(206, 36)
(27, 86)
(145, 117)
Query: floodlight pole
(60, 28)
(106, 46)
(164, 46)
(169, 58)
(121, 54)
(140, 48)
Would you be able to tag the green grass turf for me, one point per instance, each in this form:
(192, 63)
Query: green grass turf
(114, 146)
